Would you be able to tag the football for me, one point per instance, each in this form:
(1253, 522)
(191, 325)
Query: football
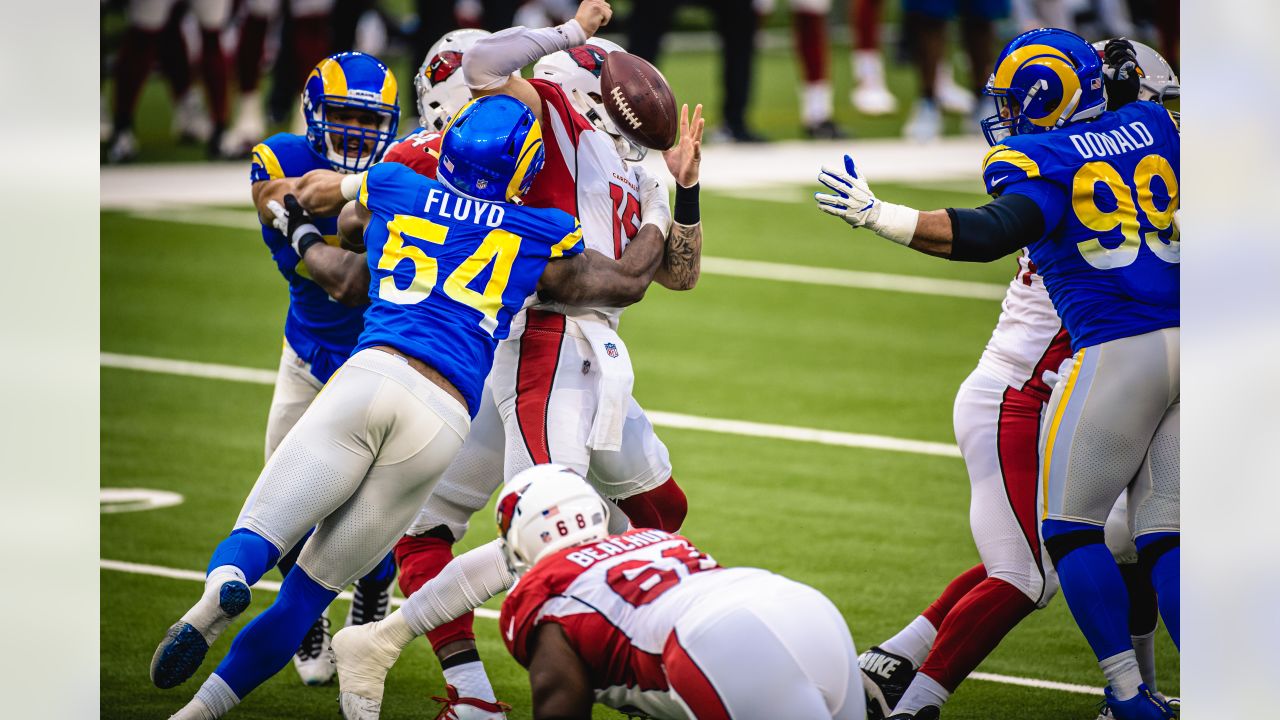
(639, 100)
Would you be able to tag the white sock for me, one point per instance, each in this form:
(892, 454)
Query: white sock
(922, 691)
(221, 574)
(913, 641)
(471, 680)
(815, 102)
(213, 700)
(868, 68)
(395, 630)
(1122, 674)
(1144, 647)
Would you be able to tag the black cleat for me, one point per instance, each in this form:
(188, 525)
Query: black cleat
(825, 130)
(885, 678)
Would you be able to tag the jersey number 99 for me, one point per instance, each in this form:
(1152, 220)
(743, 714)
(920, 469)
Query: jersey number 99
(499, 248)
(1125, 215)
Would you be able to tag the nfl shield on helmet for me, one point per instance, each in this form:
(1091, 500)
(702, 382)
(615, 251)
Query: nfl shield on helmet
(351, 81)
(492, 149)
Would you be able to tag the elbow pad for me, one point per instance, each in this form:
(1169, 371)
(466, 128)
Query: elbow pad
(462, 586)
(994, 230)
(490, 62)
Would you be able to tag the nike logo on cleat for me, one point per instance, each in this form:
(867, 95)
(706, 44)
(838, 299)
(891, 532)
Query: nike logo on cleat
(881, 665)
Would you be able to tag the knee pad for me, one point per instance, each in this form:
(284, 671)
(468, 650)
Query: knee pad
(1062, 537)
(663, 507)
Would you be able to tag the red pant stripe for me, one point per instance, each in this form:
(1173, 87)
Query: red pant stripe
(535, 376)
(690, 683)
(1017, 443)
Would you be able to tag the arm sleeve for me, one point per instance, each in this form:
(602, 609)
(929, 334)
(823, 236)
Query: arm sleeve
(489, 62)
(986, 233)
(462, 586)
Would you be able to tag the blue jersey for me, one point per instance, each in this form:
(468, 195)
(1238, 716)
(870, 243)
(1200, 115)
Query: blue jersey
(447, 274)
(321, 330)
(1108, 190)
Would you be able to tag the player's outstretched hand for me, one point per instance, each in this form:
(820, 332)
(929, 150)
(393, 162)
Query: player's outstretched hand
(852, 200)
(685, 159)
(655, 207)
(592, 14)
(292, 220)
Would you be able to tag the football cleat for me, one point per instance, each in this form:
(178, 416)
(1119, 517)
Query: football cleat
(928, 712)
(1143, 706)
(191, 123)
(885, 678)
(122, 147)
(874, 100)
(825, 130)
(1175, 704)
(183, 649)
(364, 657)
(314, 659)
(465, 708)
(369, 604)
(248, 129)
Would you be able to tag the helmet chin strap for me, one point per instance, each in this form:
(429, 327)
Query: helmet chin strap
(1065, 117)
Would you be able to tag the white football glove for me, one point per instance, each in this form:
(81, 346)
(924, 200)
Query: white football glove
(655, 206)
(295, 230)
(854, 203)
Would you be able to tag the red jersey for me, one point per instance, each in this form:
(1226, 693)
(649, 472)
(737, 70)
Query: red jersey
(618, 601)
(419, 150)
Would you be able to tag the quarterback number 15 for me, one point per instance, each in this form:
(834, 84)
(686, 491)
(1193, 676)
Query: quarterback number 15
(1125, 216)
(499, 248)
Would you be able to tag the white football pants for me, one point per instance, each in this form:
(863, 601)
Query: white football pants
(1113, 426)
(357, 466)
(785, 653)
(295, 388)
(998, 430)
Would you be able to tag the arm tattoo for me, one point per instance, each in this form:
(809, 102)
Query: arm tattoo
(682, 262)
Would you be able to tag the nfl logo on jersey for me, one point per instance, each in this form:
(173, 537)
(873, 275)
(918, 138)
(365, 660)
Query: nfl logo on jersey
(611, 349)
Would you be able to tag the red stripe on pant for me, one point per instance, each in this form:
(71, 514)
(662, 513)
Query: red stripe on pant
(690, 683)
(535, 376)
(1017, 448)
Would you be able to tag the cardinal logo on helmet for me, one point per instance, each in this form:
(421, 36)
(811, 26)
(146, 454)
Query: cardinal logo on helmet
(589, 58)
(443, 66)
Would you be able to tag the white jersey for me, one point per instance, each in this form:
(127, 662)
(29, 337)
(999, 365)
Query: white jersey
(584, 176)
(1029, 337)
(618, 601)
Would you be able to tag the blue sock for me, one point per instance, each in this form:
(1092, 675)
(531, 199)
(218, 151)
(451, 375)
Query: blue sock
(381, 575)
(265, 645)
(1161, 553)
(289, 559)
(247, 550)
(1092, 584)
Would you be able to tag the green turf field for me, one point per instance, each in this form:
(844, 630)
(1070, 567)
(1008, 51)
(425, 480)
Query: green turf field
(879, 532)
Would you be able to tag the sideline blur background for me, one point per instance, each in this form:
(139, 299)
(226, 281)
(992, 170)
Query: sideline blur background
(192, 79)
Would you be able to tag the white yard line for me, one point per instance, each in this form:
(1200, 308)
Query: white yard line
(662, 419)
(272, 586)
(731, 267)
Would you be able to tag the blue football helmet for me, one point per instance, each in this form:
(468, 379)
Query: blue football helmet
(1044, 79)
(340, 88)
(492, 149)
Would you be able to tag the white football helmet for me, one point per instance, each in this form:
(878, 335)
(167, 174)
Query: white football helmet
(439, 85)
(577, 72)
(1158, 82)
(548, 508)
